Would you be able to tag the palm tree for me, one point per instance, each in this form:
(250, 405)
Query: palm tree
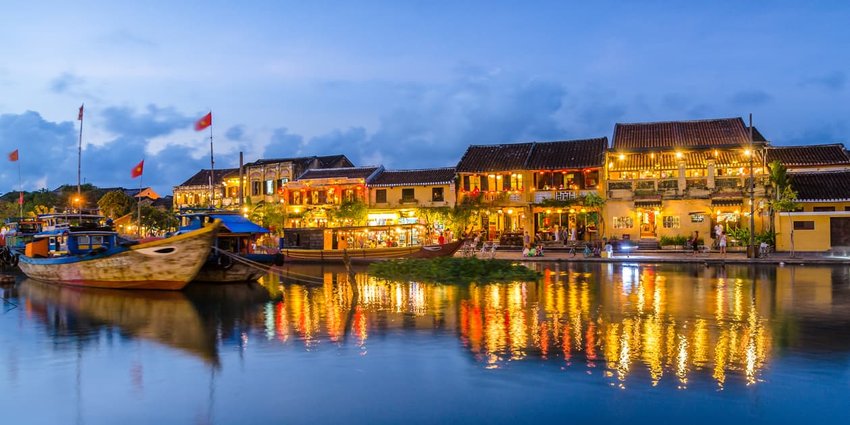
(779, 181)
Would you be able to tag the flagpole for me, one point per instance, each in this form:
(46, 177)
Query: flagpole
(80, 154)
(20, 189)
(139, 198)
(212, 166)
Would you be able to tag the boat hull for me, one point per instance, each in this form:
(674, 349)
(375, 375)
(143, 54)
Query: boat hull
(166, 264)
(235, 271)
(369, 254)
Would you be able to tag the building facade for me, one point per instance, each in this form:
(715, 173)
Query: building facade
(266, 179)
(530, 187)
(668, 179)
(316, 194)
(204, 189)
(407, 196)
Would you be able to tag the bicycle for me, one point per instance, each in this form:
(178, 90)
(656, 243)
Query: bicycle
(572, 249)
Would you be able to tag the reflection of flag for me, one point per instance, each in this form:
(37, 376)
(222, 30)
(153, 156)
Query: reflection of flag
(13, 156)
(204, 122)
(138, 169)
(80, 115)
(21, 198)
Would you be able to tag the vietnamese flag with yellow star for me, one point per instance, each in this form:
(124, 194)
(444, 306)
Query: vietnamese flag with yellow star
(204, 122)
(138, 169)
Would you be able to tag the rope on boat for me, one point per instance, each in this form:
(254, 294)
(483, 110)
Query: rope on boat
(268, 269)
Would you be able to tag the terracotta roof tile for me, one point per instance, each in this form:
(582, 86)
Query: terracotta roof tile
(824, 186)
(342, 173)
(201, 178)
(486, 158)
(692, 159)
(429, 176)
(681, 134)
(568, 154)
(809, 155)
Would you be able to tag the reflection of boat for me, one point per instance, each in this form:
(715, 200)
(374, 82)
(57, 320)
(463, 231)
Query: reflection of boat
(235, 242)
(98, 258)
(168, 318)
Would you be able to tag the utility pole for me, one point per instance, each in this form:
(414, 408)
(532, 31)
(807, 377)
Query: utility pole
(752, 194)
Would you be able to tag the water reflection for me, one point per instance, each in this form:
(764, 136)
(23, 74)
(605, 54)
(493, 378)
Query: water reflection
(630, 324)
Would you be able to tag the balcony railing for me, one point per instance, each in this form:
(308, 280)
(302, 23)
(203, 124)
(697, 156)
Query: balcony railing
(727, 183)
(619, 185)
(697, 183)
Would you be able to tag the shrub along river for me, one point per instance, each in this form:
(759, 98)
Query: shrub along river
(587, 342)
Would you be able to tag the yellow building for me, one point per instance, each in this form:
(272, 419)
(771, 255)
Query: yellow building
(266, 179)
(407, 196)
(311, 199)
(199, 189)
(820, 174)
(531, 186)
(675, 178)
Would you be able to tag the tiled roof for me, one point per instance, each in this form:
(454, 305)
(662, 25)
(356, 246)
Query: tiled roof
(428, 176)
(534, 156)
(326, 161)
(823, 186)
(202, 177)
(568, 154)
(366, 173)
(485, 158)
(811, 155)
(693, 159)
(681, 134)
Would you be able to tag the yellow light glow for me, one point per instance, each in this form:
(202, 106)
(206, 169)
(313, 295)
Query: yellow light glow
(678, 155)
(510, 211)
(622, 157)
(747, 152)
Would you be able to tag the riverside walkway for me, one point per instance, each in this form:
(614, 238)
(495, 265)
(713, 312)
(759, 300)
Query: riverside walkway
(680, 257)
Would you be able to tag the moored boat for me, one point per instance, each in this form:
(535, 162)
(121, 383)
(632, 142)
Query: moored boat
(101, 259)
(234, 256)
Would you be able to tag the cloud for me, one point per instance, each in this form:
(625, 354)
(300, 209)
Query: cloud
(235, 133)
(750, 98)
(65, 83)
(47, 151)
(154, 121)
(127, 39)
(833, 81)
(284, 144)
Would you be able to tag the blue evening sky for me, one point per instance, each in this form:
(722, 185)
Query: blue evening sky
(408, 84)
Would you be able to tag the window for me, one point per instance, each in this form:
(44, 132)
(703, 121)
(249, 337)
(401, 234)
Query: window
(348, 195)
(697, 218)
(623, 222)
(269, 187)
(804, 225)
(591, 179)
(295, 197)
(466, 183)
(516, 182)
(670, 221)
(255, 188)
(280, 183)
(819, 209)
(381, 196)
(407, 194)
(437, 194)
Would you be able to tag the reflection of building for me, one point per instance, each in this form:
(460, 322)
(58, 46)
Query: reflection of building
(820, 174)
(398, 196)
(674, 178)
(523, 186)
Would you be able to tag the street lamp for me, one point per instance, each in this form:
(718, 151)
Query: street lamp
(752, 248)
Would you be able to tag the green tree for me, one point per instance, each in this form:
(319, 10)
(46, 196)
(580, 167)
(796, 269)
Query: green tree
(270, 215)
(785, 201)
(116, 204)
(432, 216)
(779, 182)
(351, 213)
(156, 221)
(595, 203)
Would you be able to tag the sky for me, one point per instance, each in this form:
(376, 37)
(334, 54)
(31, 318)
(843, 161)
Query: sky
(405, 84)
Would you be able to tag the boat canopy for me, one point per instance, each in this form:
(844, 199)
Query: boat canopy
(238, 224)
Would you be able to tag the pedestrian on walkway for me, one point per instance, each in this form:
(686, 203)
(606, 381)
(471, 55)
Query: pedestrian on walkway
(526, 240)
(722, 243)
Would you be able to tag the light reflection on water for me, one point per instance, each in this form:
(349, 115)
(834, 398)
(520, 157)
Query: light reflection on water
(603, 328)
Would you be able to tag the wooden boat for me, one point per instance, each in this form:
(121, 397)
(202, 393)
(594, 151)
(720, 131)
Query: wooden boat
(101, 259)
(168, 318)
(233, 257)
(370, 254)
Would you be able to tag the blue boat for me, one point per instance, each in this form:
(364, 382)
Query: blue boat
(235, 256)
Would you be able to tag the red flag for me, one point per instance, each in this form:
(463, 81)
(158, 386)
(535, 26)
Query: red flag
(21, 198)
(80, 115)
(138, 169)
(13, 156)
(204, 122)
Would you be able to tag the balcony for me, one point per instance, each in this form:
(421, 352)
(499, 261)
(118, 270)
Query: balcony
(408, 201)
(728, 184)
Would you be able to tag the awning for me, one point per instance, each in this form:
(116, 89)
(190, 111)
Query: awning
(648, 203)
(727, 202)
(238, 224)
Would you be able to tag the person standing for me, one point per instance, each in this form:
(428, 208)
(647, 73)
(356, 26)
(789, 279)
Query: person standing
(526, 240)
(442, 239)
(695, 242)
(722, 243)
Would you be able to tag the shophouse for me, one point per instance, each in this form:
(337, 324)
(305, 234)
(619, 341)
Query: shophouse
(530, 187)
(265, 179)
(204, 189)
(317, 193)
(411, 196)
(820, 176)
(675, 178)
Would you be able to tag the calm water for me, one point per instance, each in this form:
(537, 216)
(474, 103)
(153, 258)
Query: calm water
(638, 343)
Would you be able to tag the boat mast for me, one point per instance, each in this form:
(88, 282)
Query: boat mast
(79, 162)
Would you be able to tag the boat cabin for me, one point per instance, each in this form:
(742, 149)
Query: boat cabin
(355, 237)
(51, 244)
(237, 234)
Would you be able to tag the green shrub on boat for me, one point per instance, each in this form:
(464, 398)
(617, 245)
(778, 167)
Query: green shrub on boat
(452, 270)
